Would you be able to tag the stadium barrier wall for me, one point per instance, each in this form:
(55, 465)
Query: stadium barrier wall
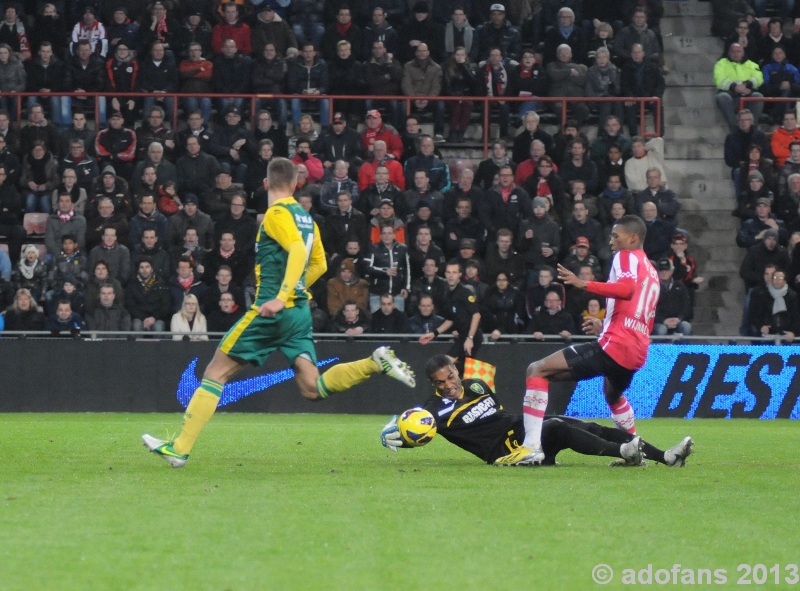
(681, 381)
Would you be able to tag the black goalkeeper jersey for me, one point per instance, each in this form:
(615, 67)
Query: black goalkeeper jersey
(476, 422)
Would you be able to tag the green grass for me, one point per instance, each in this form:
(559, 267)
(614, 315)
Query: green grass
(306, 502)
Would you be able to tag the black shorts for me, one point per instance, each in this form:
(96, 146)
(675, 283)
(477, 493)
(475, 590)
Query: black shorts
(588, 360)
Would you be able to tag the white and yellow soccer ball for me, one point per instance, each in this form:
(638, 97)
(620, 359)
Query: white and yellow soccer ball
(417, 427)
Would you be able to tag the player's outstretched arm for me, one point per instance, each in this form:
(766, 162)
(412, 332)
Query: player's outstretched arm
(569, 278)
(390, 436)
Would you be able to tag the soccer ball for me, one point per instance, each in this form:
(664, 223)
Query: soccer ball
(417, 427)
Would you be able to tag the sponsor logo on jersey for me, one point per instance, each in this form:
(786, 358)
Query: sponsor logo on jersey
(481, 410)
(477, 388)
(637, 325)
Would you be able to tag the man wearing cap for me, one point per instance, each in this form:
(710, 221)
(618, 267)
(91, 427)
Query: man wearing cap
(498, 32)
(347, 285)
(377, 130)
(747, 200)
(269, 27)
(665, 199)
(384, 217)
(307, 74)
(420, 29)
(196, 170)
(116, 145)
(195, 29)
(303, 155)
(338, 141)
(674, 305)
(580, 256)
(190, 217)
(754, 229)
(217, 200)
(422, 76)
(91, 29)
(232, 27)
(462, 227)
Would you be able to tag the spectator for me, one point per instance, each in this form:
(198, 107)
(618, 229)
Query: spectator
(674, 306)
(46, 75)
(499, 33)
(340, 142)
(269, 28)
(494, 79)
(183, 283)
(121, 29)
(110, 315)
(312, 163)
(407, 203)
(190, 247)
(739, 142)
(154, 131)
(790, 166)
(666, 201)
(116, 146)
(387, 319)
(643, 78)
(659, 233)
(367, 173)
(12, 78)
(195, 29)
(603, 79)
(579, 167)
(579, 256)
(388, 268)
(748, 200)
(39, 177)
(506, 204)
(504, 309)
(775, 310)
(190, 217)
(83, 170)
(161, 28)
(147, 299)
(459, 33)
(31, 273)
(268, 76)
(579, 300)
(564, 33)
(10, 134)
(464, 188)
(196, 78)
(382, 76)
(344, 223)
(551, 319)
(307, 75)
(685, 267)
(151, 246)
(231, 75)
(165, 171)
(189, 320)
(755, 229)
(376, 23)
(502, 259)
(65, 320)
(343, 30)
(426, 319)
(24, 315)
(350, 320)
(51, 26)
(241, 225)
(379, 131)
(420, 30)
(781, 79)
(459, 80)
(100, 276)
(762, 254)
(347, 286)
(380, 190)
(647, 155)
(613, 193)
(422, 249)
(116, 255)
(637, 33)
(157, 77)
(39, 129)
(265, 130)
(568, 79)
(783, 137)
(69, 261)
(12, 32)
(65, 221)
(539, 240)
(430, 284)
(438, 171)
(122, 75)
(148, 217)
(734, 78)
(522, 143)
(91, 29)
(603, 38)
(423, 77)
(463, 227)
(607, 137)
(231, 28)
(386, 216)
(196, 171)
(788, 201)
(225, 315)
(105, 216)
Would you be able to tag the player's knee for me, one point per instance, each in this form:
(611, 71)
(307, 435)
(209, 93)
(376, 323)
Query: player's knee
(535, 369)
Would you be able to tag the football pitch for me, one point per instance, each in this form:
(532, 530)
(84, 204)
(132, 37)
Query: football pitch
(313, 502)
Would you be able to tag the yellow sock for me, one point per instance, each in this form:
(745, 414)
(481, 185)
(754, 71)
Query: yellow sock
(344, 376)
(200, 410)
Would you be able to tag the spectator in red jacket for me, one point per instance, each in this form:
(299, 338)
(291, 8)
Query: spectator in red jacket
(377, 130)
(232, 28)
(312, 163)
(366, 174)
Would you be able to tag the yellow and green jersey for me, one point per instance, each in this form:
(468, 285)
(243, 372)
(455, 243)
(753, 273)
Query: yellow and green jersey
(287, 226)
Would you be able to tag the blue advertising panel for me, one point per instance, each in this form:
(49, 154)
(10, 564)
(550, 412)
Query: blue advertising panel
(709, 381)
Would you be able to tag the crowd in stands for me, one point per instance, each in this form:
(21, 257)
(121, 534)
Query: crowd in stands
(151, 228)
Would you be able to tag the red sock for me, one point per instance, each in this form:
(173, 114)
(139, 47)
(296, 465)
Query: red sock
(533, 408)
(622, 415)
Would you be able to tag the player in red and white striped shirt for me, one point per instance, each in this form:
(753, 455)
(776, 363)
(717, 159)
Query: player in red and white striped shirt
(632, 294)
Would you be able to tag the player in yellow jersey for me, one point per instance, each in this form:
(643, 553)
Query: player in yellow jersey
(289, 258)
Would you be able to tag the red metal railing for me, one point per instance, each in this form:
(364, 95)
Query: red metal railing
(485, 100)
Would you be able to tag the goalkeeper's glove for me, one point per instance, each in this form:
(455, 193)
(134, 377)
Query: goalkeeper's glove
(390, 436)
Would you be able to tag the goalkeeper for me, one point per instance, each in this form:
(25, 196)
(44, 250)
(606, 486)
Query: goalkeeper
(468, 415)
